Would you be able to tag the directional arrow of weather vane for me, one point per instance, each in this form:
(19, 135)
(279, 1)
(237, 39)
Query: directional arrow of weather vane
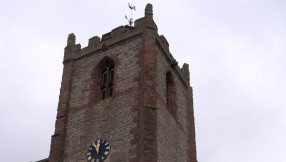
(130, 21)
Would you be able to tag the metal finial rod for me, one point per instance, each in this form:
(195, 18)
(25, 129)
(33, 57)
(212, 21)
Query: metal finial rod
(130, 21)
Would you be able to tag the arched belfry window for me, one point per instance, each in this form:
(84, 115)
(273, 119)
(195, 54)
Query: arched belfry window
(171, 97)
(107, 77)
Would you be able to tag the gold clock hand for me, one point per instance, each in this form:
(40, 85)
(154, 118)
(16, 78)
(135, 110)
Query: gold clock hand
(93, 144)
(96, 146)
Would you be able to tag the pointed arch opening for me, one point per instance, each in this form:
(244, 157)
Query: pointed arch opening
(107, 78)
(171, 97)
(103, 77)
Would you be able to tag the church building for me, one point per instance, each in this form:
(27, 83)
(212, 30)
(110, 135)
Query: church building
(123, 98)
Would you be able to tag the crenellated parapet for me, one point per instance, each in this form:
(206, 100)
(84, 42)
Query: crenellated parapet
(127, 87)
(119, 34)
(96, 44)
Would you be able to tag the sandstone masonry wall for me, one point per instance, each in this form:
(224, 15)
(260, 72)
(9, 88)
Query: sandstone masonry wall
(172, 133)
(110, 118)
(137, 120)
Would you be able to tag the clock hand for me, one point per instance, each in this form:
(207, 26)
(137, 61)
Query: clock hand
(93, 144)
(96, 146)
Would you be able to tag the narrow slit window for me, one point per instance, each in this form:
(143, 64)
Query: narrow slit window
(171, 95)
(111, 74)
(110, 91)
(104, 77)
(103, 94)
(167, 90)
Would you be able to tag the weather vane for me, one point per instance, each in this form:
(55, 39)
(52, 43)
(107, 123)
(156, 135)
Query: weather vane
(130, 21)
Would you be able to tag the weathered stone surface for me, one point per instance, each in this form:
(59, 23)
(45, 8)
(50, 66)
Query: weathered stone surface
(144, 120)
(110, 118)
(172, 132)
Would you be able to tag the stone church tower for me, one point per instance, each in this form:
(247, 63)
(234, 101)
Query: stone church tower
(125, 88)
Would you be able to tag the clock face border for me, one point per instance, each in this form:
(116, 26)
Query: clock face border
(104, 149)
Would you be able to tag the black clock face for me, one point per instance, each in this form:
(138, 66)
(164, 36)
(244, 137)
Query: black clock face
(98, 150)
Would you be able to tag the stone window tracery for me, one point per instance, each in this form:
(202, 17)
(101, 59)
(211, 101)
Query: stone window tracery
(107, 71)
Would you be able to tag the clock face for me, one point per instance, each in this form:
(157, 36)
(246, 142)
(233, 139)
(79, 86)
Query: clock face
(98, 150)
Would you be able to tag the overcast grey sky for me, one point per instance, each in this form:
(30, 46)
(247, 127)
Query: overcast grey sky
(236, 50)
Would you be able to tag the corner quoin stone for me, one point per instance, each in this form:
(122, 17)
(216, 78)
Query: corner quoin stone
(138, 119)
